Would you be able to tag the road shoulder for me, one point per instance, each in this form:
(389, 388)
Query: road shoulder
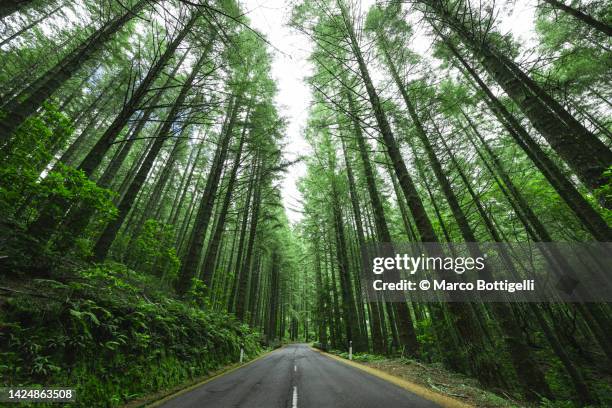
(440, 399)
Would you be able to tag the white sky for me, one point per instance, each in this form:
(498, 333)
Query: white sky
(290, 67)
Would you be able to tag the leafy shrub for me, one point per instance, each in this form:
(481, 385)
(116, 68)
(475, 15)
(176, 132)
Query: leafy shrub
(154, 251)
(103, 334)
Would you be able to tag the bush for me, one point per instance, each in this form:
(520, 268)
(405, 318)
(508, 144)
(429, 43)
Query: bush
(102, 334)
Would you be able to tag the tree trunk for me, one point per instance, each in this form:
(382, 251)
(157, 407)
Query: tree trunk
(92, 160)
(245, 268)
(322, 330)
(165, 131)
(407, 335)
(271, 333)
(111, 170)
(481, 364)
(24, 104)
(590, 218)
(241, 242)
(575, 144)
(378, 342)
(530, 376)
(49, 218)
(189, 267)
(348, 299)
(208, 266)
(577, 379)
(585, 18)
(29, 26)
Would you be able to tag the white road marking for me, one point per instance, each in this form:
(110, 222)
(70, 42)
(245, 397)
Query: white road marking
(294, 368)
(294, 405)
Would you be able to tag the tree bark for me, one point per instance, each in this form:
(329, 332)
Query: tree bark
(208, 266)
(577, 146)
(581, 16)
(378, 342)
(245, 266)
(189, 267)
(590, 218)
(164, 133)
(24, 104)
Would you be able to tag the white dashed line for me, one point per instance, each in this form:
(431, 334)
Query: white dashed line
(294, 405)
(295, 369)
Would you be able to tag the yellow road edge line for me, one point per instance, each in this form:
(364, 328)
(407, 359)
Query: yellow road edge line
(440, 399)
(231, 369)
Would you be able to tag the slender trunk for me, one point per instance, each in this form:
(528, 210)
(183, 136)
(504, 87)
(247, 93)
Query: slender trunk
(208, 266)
(49, 218)
(531, 377)
(597, 324)
(92, 160)
(481, 363)
(338, 314)
(348, 299)
(24, 104)
(184, 186)
(254, 291)
(322, 331)
(241, 242)
(581, 16)
(375, 324)
(111, 170)
(155, 198)
(245, 269)
(577, 379)
(272, 332)
(68, 157)
(189, 267)
(407, 335)
(110, 232)
(28, 26)
(575, 144)
(590, 218)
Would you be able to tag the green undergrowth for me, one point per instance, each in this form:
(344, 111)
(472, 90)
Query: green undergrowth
(436, 378)
(111, 334)
(469, 390)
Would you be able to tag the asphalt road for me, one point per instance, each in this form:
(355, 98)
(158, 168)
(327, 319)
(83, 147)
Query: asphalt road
(298, 377)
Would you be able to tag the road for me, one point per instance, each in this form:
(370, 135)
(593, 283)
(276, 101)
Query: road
(298, 377)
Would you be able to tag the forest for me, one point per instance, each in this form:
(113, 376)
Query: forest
(144, 240)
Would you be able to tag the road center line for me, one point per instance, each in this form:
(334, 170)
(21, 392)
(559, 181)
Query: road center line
(294, 404)
(295, 368)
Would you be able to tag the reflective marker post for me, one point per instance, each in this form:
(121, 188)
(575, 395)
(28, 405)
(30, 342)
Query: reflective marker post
(351, 350)
(241, 353)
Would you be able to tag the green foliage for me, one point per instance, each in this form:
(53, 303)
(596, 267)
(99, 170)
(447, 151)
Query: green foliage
(39, 137)
(24, 182)
(154, 252)
(427, 339)
(604, 193)
(103, 335)
(197, 293)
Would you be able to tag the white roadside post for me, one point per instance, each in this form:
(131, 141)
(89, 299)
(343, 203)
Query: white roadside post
(241, 353)
(351, 350)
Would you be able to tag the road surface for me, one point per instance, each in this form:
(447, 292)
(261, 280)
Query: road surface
(298, 377)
